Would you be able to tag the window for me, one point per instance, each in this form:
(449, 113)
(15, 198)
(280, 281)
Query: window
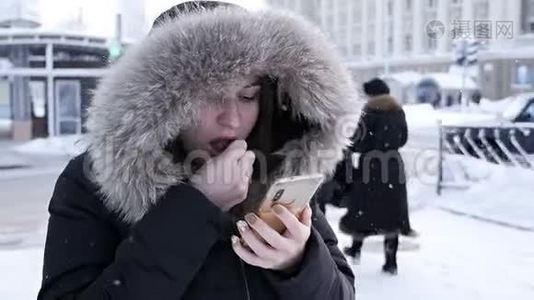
(432, 44)
(342, 35)
(524, 74)
(390, 8)
(528, 113)
(371, 48)
(37, 91)
(5, 108)
(330, 21)
(356, 11)
(408, 43)
(371, 9)
(356, 50)
(481, 10)
(408, 5)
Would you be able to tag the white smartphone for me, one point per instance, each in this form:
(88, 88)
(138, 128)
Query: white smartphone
(292, 192)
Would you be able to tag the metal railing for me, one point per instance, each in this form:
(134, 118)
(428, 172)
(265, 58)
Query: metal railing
(511, 145)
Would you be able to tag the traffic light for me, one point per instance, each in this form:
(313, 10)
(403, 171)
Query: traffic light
(115, 50)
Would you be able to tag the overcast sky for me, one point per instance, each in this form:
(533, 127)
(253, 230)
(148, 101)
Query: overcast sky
(99, 14)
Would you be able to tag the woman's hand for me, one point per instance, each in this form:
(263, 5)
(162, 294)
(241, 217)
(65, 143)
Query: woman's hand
(267, 248)
(225, 179)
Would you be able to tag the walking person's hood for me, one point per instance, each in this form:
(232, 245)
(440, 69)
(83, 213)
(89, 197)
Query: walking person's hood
(157, 87)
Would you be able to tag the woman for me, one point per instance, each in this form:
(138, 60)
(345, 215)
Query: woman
(185, 133)
(377, 201)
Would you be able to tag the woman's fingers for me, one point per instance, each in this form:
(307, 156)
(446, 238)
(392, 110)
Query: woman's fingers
(245, 165)
(271, 236)
(292, 223)
(246, 255)
(254, 242)
(306, 216)
(235, 150)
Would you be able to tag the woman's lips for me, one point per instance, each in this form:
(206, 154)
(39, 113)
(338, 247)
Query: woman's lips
(220, 144)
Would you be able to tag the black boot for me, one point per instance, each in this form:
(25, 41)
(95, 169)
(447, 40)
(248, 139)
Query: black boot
(391, 244)
(355, 250)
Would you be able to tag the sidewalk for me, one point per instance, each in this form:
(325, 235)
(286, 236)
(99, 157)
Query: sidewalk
(15, 163)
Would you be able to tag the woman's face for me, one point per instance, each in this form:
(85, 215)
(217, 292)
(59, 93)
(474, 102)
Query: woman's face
(221, 124)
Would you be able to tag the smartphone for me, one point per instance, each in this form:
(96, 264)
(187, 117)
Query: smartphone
(292, 192)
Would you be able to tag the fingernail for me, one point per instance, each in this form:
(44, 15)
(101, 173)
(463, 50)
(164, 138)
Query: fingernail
(235, 240)
(242, 225)
(278, 209)
(251, 218)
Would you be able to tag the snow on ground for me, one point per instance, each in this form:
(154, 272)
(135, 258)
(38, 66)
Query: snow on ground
(425, 116)
(71, 145)
(504, 195)
(5, 124)
(21, 273)
(10, 160)
(454, 258)
(5, 128)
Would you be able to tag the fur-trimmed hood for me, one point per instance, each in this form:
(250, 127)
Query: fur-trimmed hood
(383, 102)
(156, 88)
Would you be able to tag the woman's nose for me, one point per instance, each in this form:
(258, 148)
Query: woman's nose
(229, 115)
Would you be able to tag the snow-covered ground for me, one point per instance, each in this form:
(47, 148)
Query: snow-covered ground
(21, 273)
(425, 116)
(5, 124)
(454, 258)
(5, 128)
(70, 145)
(504, 196)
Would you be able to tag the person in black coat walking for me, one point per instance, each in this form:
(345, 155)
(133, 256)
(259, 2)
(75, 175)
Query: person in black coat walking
(377, 198)
(181, 131)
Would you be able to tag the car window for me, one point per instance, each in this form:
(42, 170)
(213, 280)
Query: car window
(528, 113)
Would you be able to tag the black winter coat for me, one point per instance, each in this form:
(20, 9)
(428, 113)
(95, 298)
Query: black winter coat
(179, 250)
(377, 198)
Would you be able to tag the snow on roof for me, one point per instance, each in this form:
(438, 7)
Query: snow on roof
(450, 81)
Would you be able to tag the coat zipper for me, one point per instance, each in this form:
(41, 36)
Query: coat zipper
(244, 273)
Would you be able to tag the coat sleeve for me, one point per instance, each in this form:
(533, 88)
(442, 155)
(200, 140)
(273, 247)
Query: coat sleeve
(404, 129)
(365, 132)
(324, 272)
(85, 257)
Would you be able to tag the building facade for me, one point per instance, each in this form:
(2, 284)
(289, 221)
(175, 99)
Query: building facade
(378, 37)
(47, 76)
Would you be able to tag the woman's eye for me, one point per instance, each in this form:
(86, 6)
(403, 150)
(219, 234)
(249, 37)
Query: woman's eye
(248, 99)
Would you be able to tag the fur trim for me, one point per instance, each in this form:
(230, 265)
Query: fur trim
(383, 103)
(157, 87)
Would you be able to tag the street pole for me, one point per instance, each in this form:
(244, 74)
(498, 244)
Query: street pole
(463, 99)
(386, 36)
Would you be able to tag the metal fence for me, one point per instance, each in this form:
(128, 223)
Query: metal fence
(510, 145)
